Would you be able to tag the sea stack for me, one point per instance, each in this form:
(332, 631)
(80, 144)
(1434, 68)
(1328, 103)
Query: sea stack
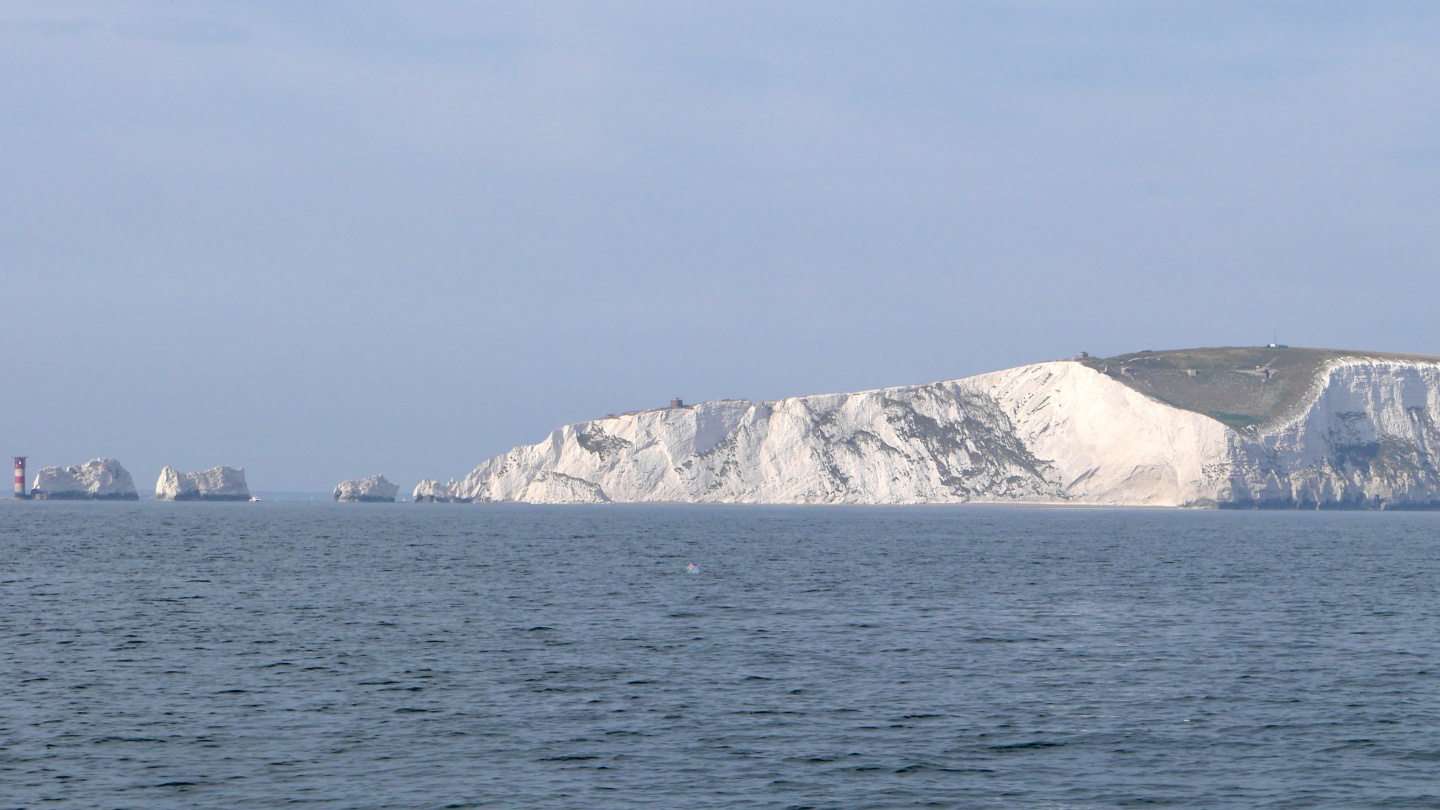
(102, 479)
(374, 489)
(218, 484)
(432, 491)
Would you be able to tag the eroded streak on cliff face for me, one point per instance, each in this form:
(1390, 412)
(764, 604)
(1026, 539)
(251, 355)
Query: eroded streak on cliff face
(1062, 432)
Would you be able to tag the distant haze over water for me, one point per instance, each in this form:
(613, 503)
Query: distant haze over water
(324, 241)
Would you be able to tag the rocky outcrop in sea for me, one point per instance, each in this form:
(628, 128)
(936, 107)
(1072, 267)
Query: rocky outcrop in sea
(216, 484)
(1350, 431)
(101, 479)
(432, 491)
(374, 489)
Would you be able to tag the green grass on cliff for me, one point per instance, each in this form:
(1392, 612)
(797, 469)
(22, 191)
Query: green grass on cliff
(1230, 384)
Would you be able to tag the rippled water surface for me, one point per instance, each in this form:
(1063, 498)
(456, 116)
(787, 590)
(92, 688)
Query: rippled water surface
(255, 655)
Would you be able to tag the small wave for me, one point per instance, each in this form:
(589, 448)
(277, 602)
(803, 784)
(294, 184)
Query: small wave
(1023, 746)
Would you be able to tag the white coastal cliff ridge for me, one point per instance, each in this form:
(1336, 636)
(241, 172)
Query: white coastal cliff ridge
(1272, 427)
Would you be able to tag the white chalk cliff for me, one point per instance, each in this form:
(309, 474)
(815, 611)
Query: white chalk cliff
(374, 489)
(217, 484)
(101, 479)
(1362, 433)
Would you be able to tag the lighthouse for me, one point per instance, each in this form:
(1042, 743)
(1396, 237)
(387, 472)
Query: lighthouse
(20, 476)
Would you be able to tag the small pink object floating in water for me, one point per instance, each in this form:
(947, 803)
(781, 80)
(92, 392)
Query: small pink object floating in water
(693, 568)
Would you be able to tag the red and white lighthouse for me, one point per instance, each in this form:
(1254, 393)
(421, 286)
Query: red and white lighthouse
(20, 476)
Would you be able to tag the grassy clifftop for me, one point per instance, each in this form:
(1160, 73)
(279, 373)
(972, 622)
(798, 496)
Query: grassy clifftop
(1242, 387)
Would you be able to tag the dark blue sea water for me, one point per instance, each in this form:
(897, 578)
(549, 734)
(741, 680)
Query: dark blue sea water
(260, 655)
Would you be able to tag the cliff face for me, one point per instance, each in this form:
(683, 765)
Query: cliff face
(934, 443)
(1364, 435)
(1367, 437)
(102, 479)
(217, 484)
(1108, 443)
(374, 489)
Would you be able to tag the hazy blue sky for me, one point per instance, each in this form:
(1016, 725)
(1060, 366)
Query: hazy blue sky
(324, 240)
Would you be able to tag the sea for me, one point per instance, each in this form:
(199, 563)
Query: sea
(260, 655)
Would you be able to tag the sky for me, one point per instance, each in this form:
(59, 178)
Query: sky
(333, 239)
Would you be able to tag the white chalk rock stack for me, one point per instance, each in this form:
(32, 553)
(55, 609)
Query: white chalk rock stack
(102, 479)
(374, 489)
(217, 484)
(432, 491)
